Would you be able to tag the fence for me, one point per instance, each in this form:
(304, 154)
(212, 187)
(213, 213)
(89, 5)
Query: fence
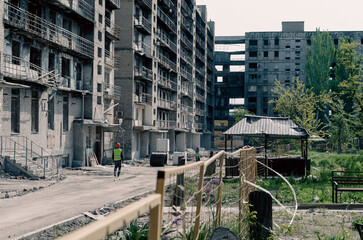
(191, 200)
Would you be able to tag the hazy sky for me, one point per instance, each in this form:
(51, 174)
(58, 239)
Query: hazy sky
(235, 17)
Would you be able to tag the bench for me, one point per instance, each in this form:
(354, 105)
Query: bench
(346, 181)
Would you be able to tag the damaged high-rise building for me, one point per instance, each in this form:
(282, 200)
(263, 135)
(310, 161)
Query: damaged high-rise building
(57, 91)
(166, 75)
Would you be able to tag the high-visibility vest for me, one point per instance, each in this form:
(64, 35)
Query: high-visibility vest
(197, 153)
(117, 154)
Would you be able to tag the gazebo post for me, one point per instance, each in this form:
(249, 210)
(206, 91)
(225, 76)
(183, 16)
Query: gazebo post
(231, 143)
(266, 160)
(225, 142)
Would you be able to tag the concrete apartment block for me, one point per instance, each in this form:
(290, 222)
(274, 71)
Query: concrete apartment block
(57, 76)
(166, 75)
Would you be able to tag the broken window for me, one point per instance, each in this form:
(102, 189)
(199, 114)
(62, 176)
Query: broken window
(35, 59)
(277, 42)
(65, 67)
(65, 113)
(336, 42)
(297, 43)
(79, 76)
(51, 62)
(99, 69)
(99, 100)
(253, 42)
(297, 55)
(35, 112)
(265, 54)
(252, 65)
(99, 52)
(252, 99)
(276, 54)
(15, 111)
(253, 53)
(51, 112)
(107, 80)
(265, 42)
(15, 51)
(99, 87)
(308, 42)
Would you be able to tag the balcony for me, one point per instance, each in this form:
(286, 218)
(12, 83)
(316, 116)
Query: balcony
(200, 71)
(168, 4)
(186, 91)
(166, 124)
(187, 42)
(166, 104)
(186, 9)
(185, 74)
(112, 92)
(143, 98)
(201, 28)
(167, 21)
(142, 72)
(200, 41)
(187, 25)
(40, 28)
(112, 59)
(199, 83)
(199, 112)
(186, 108)
(143, 49)
(143, 25)
(199, 97)
(186, 57)
(199, 55)
(80, 7)
(166, 62)
(115, 4)
(186, 125)
(112, 30)
(19, 69)
(167, 83)
(165, 41)
(198, 126)
(145, 3)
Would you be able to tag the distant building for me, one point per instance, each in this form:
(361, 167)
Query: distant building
(229, 59)
(166, 74)
(57, 71)
(272, 56)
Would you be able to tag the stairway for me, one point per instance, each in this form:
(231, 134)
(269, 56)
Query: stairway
(26, 158)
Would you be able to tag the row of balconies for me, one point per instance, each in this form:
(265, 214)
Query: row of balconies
(112, 59)
(200, 70)
(167, 21)
(167, 83)
(210, 54)
(143, 24)
(112, 29)
(187, 42)
(143, 72)
(200, 28)
(200, 41)
(167, 124)
(166, 62)
(143, 98)
(186, 108)
(145, 3)
(186, 125)
(186, 8)
(166, 41)
(112, 91)
(169, 5)
(199, 55)
(79, 6)
(198, 126)
(186, 57)
(41, 28)
(187, 24)
(185, 74)
(167, 104)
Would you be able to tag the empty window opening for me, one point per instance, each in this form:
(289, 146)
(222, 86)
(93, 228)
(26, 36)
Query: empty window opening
(35, 112)
(51, 112)
(252, 99)
(276, 54)
(220, 79)
(265, 54)
(15, 51)
(219, 68)
(253, 54)
(252, 65)
(236, 68)
(236, 101)
(277, 42)
(15, 111)
(65, 113)
(253, 42)
(265, 42)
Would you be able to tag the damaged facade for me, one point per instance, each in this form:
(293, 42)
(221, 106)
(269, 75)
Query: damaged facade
(57, 70)
(166, 75)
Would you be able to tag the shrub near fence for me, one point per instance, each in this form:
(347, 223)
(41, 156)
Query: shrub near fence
(194, 200)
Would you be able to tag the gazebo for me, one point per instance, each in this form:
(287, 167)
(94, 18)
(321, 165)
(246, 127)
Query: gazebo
(266, 128)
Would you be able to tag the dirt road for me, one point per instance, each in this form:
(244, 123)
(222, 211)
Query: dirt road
(81, 191)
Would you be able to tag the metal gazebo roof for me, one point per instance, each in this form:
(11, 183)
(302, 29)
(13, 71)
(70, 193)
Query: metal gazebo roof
(273, 127)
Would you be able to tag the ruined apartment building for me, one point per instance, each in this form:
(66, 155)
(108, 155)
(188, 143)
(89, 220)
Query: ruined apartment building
(166, 73)
(279, 56)
(57, 68)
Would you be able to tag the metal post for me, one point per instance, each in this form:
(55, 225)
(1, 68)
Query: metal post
(219, 201)
(1, 148)
(26, 155)
(43, 163)
(240, 201)
(14, 149)
(199, 202)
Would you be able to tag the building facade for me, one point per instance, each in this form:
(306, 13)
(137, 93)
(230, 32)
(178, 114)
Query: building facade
(57, 71)
(281, 56)
(229, 59)
(165, 76)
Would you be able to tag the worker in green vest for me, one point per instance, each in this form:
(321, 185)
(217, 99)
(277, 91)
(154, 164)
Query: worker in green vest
(197, 158)
(117, 156)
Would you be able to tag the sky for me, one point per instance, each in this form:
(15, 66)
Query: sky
(235, 17)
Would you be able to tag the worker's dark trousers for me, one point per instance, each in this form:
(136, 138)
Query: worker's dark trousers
(117, 166)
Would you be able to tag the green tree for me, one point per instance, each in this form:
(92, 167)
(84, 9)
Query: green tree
(319, 59)
(339, 127)
(348, 72)
(240, 113)
(299, 104)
